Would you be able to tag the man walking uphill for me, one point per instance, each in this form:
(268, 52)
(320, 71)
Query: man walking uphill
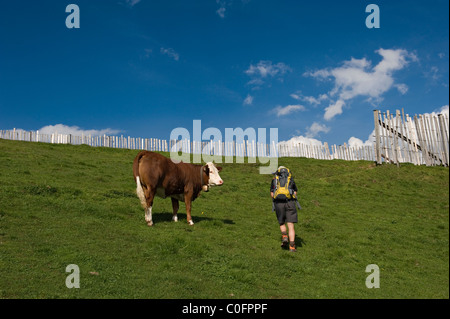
(284, 194)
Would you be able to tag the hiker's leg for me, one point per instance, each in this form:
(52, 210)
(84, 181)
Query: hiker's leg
(291, 231)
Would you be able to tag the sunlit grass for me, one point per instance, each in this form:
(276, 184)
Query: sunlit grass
(63, 204)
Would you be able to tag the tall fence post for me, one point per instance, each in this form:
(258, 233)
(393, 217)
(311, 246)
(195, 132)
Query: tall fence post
(377, 136)
(444, 135)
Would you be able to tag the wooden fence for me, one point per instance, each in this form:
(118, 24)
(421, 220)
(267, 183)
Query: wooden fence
(246, 149)
(420, 140)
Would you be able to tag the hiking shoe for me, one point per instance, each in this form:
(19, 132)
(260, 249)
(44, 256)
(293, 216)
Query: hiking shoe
(292, 248)
(284, 241)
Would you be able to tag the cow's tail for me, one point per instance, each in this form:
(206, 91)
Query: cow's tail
(140, 192)
(139, 189)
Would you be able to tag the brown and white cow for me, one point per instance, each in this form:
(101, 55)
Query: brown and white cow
(157, 175)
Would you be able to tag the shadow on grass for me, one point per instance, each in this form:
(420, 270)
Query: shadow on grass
(299, 241)
(167, 217)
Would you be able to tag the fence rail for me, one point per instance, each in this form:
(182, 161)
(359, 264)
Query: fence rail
(422, 139)
(419, 140)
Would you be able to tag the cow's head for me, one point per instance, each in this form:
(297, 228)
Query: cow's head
(213, 177)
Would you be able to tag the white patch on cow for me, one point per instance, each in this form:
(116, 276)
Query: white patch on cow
(140, 192)
(214, 177)
(148, 216)
(191, 222)
(175, 218)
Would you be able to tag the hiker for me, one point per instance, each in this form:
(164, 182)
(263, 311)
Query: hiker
(284, 195)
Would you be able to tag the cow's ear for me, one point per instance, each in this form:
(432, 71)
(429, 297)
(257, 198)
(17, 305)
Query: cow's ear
(219, 168)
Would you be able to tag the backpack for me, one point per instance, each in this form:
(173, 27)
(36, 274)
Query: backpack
(283, 178)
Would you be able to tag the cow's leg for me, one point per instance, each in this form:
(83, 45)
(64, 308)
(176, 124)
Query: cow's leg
(148, 216)
(187, 200)
(175, 206)
(149, 196)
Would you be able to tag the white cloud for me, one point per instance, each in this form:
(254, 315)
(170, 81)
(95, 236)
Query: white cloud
(222, 7)
(223, 4)
(280, 111)
(433, 73)
(402, 88)
(394, 60)
(221, 12)
(264, 70)
(132, 3)
(255, 82)
(248, 100)
(333, 109)
(75, 130)
(357, 77)
(171, 53)
(319, 74)
(315, 129)
(295, 96)
(357, 143)
(357, 63)
(442, 110)
(310, 99)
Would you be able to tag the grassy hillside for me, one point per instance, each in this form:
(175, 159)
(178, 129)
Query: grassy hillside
(63, 204)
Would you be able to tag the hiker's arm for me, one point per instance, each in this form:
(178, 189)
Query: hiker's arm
(294, 187)
(272, 188)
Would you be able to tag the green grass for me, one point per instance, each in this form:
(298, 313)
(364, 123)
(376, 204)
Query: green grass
(64, 204)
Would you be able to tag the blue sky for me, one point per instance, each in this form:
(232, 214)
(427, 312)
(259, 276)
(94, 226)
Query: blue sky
(312, 69)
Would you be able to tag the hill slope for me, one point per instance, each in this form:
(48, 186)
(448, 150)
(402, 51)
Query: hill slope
(64, 204)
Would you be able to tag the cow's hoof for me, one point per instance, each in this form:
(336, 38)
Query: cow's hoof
(191, 223)
(175, 218)
(149, 224)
